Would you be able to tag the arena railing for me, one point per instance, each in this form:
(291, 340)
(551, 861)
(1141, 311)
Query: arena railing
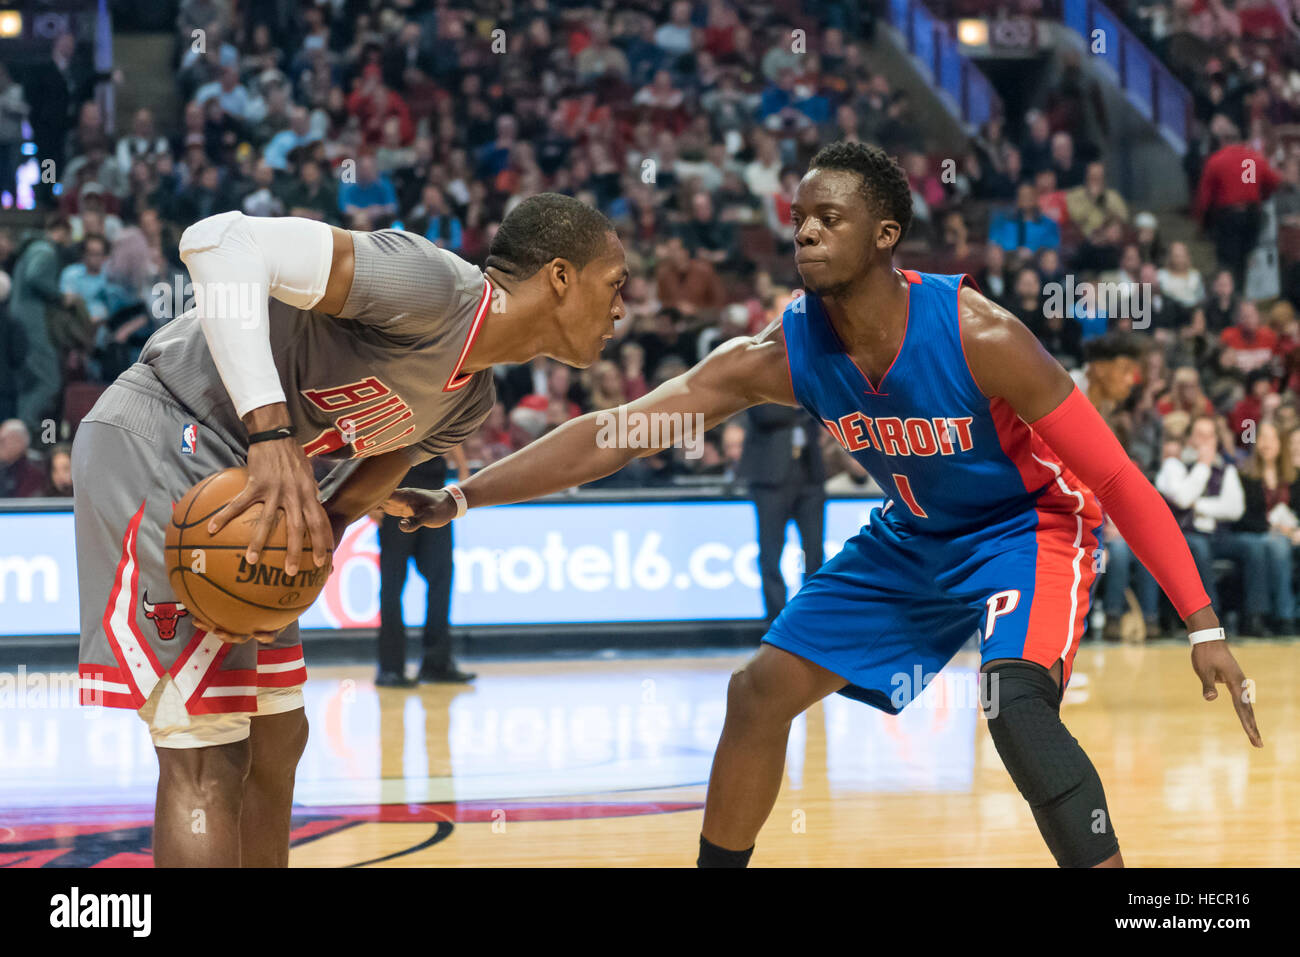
(963, 88)
(1147, 83)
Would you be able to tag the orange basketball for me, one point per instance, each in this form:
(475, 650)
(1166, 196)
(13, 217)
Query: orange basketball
(211, 576)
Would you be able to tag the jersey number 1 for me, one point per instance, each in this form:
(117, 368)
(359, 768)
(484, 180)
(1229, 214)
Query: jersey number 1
(905, 491)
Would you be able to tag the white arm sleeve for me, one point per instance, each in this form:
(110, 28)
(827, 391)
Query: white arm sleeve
(236, 264)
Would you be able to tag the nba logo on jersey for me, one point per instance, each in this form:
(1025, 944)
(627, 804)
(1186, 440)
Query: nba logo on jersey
(189, 438)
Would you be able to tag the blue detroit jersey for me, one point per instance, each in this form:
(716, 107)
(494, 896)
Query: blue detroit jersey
(949, 458)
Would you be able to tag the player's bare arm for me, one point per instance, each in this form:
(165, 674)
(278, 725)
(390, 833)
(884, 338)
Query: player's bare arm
(365, 489)
(1008, 362)
(738, 374)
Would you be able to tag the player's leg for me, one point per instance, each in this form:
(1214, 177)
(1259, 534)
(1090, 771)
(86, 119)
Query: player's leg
(276, 743)
(133, 638)
(856, 624)
(202, 763)
(1034, 591)
(763, 698)
(1048, 765)
(197, 809)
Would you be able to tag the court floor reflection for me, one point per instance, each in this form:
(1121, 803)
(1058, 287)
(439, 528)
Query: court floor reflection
(605, 762)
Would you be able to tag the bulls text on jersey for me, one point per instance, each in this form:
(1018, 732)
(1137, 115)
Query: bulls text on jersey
(364, 411)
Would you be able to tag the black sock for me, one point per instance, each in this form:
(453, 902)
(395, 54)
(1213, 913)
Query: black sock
(713, 856)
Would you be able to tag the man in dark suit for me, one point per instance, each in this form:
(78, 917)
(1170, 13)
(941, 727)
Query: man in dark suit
(782, 464)
(64, 81)
(431, 549)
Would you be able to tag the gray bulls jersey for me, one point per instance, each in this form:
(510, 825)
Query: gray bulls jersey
(385, 377)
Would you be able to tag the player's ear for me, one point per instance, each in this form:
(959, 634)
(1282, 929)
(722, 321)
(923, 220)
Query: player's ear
(562, 275)
(888, 234)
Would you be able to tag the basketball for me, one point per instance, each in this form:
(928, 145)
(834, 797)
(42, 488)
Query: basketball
(211, 576)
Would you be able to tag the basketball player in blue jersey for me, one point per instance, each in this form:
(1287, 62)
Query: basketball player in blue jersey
(997, 470)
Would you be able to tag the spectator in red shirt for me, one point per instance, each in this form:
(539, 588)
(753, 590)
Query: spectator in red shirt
(20, 477)
(1255, 403)
(555, 404)
(720, 32)
(688, 284)
(1051, 200)
(923, 181)
(1247, 344)
(1234, 183)
(372, 103)
(1185, 394)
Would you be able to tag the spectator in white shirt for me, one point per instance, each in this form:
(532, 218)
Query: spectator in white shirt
(763, 173)
(1179, 281)
(142, 142)
(1204, 491)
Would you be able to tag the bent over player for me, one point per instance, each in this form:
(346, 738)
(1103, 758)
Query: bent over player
(996, 469)
(305, 340)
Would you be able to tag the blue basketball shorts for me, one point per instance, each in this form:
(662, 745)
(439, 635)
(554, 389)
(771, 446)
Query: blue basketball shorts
(896, 602)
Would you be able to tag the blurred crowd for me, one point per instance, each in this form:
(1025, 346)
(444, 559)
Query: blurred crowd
(690, 124)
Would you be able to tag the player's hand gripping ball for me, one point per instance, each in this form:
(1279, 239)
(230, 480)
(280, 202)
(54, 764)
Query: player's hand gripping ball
(211, 575)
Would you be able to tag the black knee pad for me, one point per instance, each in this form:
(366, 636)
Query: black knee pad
(1047, 764)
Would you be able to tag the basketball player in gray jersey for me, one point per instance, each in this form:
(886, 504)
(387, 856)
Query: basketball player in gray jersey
(305, 340)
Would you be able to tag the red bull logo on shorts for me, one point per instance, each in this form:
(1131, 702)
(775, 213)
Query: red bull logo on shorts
(164, 615)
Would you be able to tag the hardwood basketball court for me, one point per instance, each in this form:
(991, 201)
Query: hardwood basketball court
(603, 762)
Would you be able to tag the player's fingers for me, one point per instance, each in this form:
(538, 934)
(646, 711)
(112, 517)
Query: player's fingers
(233, 508)
(1243, 696)
(398, 504)
(1246, 715)
(264, 637)
(265, 522)
(293, 539)
(1208, 691)
(322, 536)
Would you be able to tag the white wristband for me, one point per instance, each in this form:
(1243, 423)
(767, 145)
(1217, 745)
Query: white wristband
(458, 497)
(1206, 634)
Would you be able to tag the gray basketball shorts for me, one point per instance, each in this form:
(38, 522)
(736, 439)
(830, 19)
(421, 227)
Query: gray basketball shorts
(135, 454)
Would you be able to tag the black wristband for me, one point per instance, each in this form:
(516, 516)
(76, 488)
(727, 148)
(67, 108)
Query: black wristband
(270, 435)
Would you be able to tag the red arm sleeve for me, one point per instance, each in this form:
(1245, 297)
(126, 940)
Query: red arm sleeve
(1078, 434)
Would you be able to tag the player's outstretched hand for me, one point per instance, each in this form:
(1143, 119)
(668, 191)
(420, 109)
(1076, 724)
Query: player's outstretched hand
(419, 508)
(280, 477)
(1214, 664)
